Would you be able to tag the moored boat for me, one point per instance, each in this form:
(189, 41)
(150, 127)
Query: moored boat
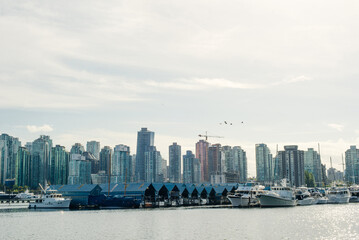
(246, 195)
(278, 196)
(303, 197)
(50, 199)
(338, 195)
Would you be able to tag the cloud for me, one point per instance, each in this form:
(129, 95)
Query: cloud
(43, 128)
(338, 127)
(293, 80)
(202, 84)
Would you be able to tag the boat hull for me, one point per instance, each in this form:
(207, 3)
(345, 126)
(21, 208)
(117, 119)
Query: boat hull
(306, 201)
(50, 205)
(14, 204)
(273, 201)
(338, 200)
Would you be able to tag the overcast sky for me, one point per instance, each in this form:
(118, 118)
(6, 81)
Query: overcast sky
(101, 70)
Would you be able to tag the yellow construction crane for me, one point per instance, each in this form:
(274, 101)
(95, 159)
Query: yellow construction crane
(206, 136)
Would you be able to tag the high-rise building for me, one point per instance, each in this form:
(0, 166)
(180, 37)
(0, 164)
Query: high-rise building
(79, 170)
(164, 170)
(240, 163)
(93, 147)
(191, 168)
(175, 163)
(291, 165)
(77, 148)
(352, 165)
(22, 174)
(145, 140)
(8, 151)
(153, 165)
(216, 163)
(312, 164)
(105, 156)
(59, 165)
(202, 155)
(95, 163)
(41, 161)
(121, 164)
(264, 163)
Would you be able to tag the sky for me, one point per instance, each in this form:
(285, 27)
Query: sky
(101, 70)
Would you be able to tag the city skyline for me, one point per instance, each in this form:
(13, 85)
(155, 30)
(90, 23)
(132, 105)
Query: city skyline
(79, 146)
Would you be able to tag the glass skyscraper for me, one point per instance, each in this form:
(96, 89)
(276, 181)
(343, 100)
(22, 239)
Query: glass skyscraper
(145, 140)
(59, 165)
(264, 163)
(8, 150)
(41, 161)
(191, 168)
(175, 163)
(121, 164)
(105, 155)
(93, 147)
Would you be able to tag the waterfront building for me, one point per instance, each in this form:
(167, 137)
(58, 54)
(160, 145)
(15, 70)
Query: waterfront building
(105, 156)
(264, 164)
(59, 165)
(240, 163)
(79, 170)
(41, 151)
(312, 164)
(145, 140)
(22, 174)
(77, 148)
(291, 165)
(93, 147)
(191, 168)
(8, 150)
(352, 165)
(153, 165)
(175, 163)
(121, 164)
(324, 175)
(202, 155)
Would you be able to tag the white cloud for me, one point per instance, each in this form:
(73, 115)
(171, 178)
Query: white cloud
(337, 127)
(202, 84)
(293, 80)
(43, 128)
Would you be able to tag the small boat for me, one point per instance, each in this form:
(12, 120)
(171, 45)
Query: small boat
(278, 196)
(338, 195)
(303, 197)
(50, 199)
(246, 195)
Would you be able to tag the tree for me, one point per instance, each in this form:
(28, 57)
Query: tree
(309, 179)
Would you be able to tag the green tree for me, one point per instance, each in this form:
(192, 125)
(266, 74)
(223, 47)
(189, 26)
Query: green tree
(309, 179)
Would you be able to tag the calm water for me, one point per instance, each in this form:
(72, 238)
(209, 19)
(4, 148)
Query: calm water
(306, 222)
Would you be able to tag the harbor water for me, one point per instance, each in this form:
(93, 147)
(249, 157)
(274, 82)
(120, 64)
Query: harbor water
(307, 222)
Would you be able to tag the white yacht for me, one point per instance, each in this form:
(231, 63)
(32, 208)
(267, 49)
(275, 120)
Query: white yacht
(338, 195)
(304, 197)
(50, 199)
(246, 195)
(278, 196)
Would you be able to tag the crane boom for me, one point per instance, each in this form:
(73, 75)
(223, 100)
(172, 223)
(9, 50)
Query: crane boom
(207, 136)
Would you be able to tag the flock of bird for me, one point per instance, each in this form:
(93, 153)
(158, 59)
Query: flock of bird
(227, 123)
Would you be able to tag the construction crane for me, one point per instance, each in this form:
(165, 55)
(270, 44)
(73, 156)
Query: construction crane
(206, 136)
